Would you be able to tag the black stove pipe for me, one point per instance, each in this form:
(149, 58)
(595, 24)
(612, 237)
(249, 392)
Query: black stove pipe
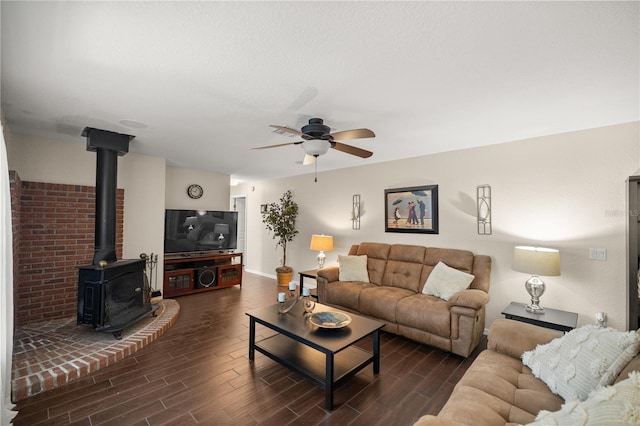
(106, 193)
(108, 146)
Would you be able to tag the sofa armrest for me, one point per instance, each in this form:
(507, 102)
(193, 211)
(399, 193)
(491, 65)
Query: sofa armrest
(429, 420)
(324, 277)
(470, 298)
(513, 338)
(330, 273)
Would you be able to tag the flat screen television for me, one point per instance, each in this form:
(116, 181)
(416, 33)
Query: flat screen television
(195, 231)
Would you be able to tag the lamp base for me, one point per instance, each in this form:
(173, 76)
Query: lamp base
(535, 287)
(321, 258)
(534, 309)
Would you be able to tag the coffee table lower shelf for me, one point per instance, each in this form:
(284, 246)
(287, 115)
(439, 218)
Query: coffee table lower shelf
(325, 356)
(312, 363)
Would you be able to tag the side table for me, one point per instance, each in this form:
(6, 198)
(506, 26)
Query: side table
(551, 318)
(311, 273)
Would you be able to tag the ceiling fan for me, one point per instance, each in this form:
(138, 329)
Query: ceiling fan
(317, 140)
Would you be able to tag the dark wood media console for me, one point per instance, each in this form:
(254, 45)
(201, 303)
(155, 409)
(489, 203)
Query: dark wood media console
(193, 273)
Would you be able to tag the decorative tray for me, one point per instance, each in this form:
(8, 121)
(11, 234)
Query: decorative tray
(287, 305)
(330, 319)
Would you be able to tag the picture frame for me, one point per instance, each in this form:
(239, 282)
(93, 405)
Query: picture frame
(412, 209)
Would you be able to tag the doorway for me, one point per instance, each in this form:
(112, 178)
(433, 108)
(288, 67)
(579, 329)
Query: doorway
(238, 204)
(633, 252)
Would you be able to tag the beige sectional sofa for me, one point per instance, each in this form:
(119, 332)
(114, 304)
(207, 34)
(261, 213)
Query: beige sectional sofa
(397, 274)
(498, 389)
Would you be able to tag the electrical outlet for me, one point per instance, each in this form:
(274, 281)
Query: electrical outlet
(598, 254)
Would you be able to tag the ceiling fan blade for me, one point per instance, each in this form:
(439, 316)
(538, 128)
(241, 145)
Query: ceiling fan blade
(308, 159)
(353, 134)
(353, 150)
(285, 129)
(280, 144)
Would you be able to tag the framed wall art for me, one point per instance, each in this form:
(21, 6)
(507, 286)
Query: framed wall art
(413, 209)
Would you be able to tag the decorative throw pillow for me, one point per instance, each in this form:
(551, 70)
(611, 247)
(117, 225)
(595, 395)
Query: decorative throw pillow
(582, 360)
(610, 405)
(353, 268)
(445, 281)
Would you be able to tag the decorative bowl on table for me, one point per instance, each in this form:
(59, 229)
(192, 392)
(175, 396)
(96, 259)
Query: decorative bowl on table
(330, 319)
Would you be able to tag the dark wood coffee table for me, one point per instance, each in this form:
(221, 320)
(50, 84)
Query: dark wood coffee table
(326, 356)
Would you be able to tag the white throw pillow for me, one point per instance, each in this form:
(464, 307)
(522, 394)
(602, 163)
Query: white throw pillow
(353, 268)
(445, 281)
(611, 405)
(582, 360)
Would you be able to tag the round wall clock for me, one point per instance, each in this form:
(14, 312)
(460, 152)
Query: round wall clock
(195, 191)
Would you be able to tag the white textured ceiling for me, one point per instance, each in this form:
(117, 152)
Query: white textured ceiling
(208, 78)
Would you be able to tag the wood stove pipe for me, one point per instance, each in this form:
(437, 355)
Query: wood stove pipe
(108, 146)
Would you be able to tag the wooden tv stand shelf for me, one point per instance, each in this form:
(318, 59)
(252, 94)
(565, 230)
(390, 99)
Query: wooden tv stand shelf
(195, 273)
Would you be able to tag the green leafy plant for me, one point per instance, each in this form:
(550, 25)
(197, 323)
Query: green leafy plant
(280, 218)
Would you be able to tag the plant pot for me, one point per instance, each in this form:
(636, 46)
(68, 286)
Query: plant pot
(284, 278)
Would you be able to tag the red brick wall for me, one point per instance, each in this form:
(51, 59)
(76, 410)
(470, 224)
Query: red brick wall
(56, 234)
(14, 185)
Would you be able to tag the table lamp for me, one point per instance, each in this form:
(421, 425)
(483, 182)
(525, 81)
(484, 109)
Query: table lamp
(536, 261)
(321, 243)
(221, 229)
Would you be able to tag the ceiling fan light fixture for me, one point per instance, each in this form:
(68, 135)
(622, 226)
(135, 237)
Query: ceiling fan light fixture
(315, 147)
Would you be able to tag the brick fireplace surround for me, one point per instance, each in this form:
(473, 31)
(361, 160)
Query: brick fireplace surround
(53, 233)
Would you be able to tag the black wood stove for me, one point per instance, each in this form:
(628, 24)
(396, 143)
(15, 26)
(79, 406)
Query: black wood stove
(112, 294)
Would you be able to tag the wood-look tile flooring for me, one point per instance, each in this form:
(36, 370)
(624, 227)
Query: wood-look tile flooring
(198, 373)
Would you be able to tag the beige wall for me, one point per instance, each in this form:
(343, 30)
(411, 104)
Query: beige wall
(215, 189)
(564, 191)
(142, 177)
(149, 185)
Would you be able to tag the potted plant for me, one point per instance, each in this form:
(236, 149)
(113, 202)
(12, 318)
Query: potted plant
(280, 218)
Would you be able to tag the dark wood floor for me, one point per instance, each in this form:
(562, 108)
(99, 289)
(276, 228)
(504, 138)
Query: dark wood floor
(199, 373)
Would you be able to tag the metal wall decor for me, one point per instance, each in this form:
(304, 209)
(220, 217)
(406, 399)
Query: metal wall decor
(355, 212)
(483, 201)
(413, 209)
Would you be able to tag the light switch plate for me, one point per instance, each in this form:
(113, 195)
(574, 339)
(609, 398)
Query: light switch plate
(598, 254)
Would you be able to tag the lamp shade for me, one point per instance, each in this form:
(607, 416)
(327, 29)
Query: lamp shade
(191, 221)
(221, 228)
(536, 261)
(321, 243)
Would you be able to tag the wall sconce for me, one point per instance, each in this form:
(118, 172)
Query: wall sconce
(483, 202)
(263, 208)
(355, 212)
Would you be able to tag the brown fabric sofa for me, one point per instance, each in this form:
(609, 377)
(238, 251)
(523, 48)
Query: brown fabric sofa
(498, 389)
(397, 274)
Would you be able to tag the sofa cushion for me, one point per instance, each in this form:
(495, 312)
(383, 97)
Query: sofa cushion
(461, 260)
(404, 266)
(583, 359)
(444, 281)
(381, 301)
(345, 294)
(498, 389)
(377, 254)
(428, 313)
(353, 268)
(610, 405)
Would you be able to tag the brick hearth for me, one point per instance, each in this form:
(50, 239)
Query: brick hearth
(49, 354)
